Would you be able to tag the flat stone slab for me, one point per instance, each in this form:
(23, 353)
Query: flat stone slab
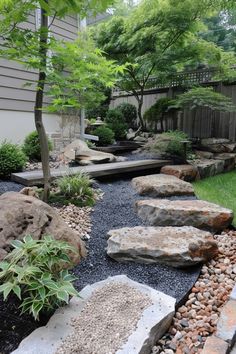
(185, 172)
(174, 246)
(161, 186)
(152, 324)
(197, 213)
(229, 160)
(215, 345)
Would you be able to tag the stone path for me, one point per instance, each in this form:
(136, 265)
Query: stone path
(174, 246)
(197, 213)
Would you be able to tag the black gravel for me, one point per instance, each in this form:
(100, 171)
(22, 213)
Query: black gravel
(7, 186)
(115, 210)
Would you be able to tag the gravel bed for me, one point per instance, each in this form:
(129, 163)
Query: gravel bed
(104, 315)
(198, 317)
(115, 210)
(6, 186)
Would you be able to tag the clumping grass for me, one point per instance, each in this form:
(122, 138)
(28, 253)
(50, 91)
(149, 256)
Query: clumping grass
(220, 189)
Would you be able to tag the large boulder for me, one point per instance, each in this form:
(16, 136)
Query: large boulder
(198, 213)
(173, 246)
(79, 151)
(22, 215)
(217, 145)
(207, 168)
(185, 172)
(228, 159)
(161, 185)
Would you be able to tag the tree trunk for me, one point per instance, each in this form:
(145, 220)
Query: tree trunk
(43, 40)
(140, 117)
(193, 122)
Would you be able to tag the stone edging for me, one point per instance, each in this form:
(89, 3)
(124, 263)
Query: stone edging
(225, 336)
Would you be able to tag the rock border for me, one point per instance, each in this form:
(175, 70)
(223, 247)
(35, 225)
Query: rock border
(154, 322)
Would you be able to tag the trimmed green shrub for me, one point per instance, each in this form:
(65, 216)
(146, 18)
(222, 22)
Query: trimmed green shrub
(105, 134)
(157, 112)
(129, 112)
(170, 143)
(12, 159)
(75, 189)
(116, 122)
(31, 146)
(100, 111)
(35, 272)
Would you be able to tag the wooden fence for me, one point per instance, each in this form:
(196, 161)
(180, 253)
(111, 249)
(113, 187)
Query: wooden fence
(207, 123)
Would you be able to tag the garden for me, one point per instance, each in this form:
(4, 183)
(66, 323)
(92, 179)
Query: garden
(120, 237)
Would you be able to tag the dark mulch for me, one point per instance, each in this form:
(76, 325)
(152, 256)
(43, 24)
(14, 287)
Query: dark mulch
(15, 326)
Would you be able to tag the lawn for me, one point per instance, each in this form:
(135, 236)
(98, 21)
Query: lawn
(220, 189)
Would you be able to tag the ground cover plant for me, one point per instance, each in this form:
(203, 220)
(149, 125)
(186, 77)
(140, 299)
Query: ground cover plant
(35, 272)
(170, 143)
(218, 189)
(75, 189)
(12, 159)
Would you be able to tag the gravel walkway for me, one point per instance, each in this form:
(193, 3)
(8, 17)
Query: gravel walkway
(115, 210)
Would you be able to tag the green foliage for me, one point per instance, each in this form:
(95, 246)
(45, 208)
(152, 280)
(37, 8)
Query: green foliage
(75, 189)
(158, 111)
(12, 159)
(99, 111)
(129, 112)
(31, 146)
(170, 143)
(105, 134)
(204, 97)
(116, 122)
(34, 272)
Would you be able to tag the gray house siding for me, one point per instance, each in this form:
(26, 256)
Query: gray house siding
(14, 95)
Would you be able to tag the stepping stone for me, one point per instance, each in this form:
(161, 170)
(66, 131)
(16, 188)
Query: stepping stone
(161, 186)
(115, 330)
(185, 172)
(226, 326)
(197, 213)
(174, 246)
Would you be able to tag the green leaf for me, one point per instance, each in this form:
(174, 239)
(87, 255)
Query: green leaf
(63, 295)
(17, 290)
(6, 288)
(17, 244)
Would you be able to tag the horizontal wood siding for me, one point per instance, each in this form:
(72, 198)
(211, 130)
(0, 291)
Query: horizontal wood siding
(14, 95)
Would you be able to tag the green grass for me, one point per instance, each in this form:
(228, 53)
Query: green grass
(220, 189)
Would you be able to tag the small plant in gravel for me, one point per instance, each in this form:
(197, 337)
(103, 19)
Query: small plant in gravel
(31, 146)
(35, 272)
(105, 134)
(75, 189)
(12, 159)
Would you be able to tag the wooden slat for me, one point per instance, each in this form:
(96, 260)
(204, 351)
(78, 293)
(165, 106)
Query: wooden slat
(33, 178)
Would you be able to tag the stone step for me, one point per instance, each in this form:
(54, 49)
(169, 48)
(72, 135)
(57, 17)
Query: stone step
(207, 168)
(174, 246)
(125, 326)
(185, 172)
(160, 185)
(197, 213)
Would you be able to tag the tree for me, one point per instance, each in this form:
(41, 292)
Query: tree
(159, 37)
(31, 48)
(203, 97)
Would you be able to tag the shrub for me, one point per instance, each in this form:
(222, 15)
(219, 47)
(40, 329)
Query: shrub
(170, 143)
(31, 146)
(76, 189)
(12, 159)
(129, 112)
(34, 272)
(105, 134)
(157, 112)
(116, 122)
(99, 111)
